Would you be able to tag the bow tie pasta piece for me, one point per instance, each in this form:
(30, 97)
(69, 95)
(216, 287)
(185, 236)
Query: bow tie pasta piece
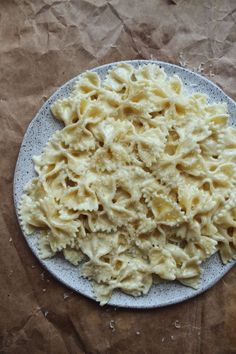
(78, 138)
(198, 132)
(128, 274)
(226, 239)
(55, 182)
(73, 255)
(176, 85)
(96, 247)
(132, 282)
(229, 143)
(226, 215)
(121, 213)
(114, 131)
(205, 247)
(216, 110)
(166, 211)
(80, 198)
(77, 165)
(140, 183)
(135, 279)
(105, 189)
(44, 248)
(65, 110)
(150, 144)
(151, 73)
(119, 78)
(88, 86)
(46, 213)
(193, 201)
(145, 224)
(162, 263)
(186, 274)
(110, 158)
(52, 154)
(213, 144)
(146, 241)
(100, 222)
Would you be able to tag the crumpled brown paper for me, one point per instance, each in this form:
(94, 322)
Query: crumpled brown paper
(43, 44)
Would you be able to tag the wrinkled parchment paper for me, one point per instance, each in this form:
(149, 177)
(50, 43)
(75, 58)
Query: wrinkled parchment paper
(43, 44)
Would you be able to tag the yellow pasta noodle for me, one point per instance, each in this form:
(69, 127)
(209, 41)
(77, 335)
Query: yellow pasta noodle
(139, 183)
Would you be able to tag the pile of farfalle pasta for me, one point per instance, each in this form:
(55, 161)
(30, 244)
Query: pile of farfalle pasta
(139, 185)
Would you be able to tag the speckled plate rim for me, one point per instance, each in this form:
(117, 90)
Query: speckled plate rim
(142, 302)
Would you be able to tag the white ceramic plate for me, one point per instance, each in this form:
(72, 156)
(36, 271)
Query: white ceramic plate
(38, 133)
